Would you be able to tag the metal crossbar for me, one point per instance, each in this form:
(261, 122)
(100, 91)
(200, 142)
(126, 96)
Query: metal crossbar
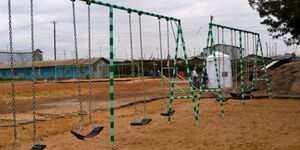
(234, 29)
(131, 10)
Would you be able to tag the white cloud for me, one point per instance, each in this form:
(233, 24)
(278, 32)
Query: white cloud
(194, 14)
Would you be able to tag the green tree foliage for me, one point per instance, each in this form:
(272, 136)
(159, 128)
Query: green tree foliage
(282, 17)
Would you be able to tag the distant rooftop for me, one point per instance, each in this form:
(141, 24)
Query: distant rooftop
(19, 51)
(54, 63)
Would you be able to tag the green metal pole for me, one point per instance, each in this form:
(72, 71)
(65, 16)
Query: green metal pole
(218, 76)
(254, 80)
(267, 79)
(204, 66)
(173, 75)
(130, 9)
(241, 68)
(111, 78)
(188, 74)
(234, 29)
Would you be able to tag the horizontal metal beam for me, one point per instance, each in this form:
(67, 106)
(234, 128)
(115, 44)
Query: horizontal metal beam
(140, 12)
(234, 29)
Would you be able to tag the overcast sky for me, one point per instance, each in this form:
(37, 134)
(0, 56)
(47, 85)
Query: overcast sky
(193, 13)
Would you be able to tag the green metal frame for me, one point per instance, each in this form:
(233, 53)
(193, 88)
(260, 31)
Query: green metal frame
(191, 92)
(111, 59)
(266, 74)
(210, 44)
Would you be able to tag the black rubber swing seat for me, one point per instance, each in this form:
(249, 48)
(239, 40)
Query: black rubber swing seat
(93, 133)
(235, 94)
(145, 121)
(223, 100)
(255, 89)
(38, 147)
(248, 91)
(168, 113)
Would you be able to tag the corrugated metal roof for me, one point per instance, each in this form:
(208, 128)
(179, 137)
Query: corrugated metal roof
(20, 51)
(52, 63)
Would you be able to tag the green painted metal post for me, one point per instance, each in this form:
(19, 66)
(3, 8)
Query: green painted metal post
(210, 41)
(218, 76)
(111, 78)
(267, 79)
(254, 80)
(173, 75)
(241, 69)
(187, 66)
(204, 66)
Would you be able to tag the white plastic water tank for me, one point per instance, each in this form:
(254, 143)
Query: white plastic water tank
(224, 68)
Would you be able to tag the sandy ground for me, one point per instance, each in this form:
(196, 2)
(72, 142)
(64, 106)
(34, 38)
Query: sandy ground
(54, 95)
(262, 124)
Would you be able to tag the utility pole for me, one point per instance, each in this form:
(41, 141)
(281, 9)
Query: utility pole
(54, 37)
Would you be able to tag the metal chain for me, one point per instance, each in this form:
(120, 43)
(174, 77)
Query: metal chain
(218, 35)
(254, 51)
(77, 65)
(168, 45)
(248, 62)
(33, 73)
(223, 61)
(142, 63)
(236, 65)
(223, 36)
(232, 52)
(13, 91)
(245, 54)
(90, 64)
(168, 61)
(231, 38)
(161, 62)
(219, 60)
(173, 31)
(160, 46)
(132, 68)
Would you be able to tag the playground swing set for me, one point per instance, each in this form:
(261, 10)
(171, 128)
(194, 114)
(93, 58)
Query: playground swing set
(246, 93)
(168, 112)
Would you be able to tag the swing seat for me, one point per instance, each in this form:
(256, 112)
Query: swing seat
(168, 113)
(92, 134)
(235, 94)
(223, 100)
(145, 121)
(255, 89)
(38, 147)
(248, 91)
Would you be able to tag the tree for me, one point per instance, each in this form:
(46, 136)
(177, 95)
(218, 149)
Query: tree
(281, 16)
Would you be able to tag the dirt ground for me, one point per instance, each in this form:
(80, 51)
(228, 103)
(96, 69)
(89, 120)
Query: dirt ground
(271, 124)
(54, 95)
(261, 124)
(285, 79)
